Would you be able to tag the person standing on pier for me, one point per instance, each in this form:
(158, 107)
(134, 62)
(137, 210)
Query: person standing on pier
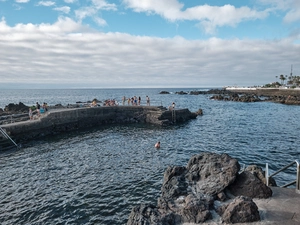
(38, 107)
(30, 114)
(148, 100)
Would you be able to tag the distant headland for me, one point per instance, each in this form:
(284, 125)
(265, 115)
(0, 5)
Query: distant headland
(283, 95)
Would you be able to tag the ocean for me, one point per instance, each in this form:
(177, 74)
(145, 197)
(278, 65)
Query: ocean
(96, 176)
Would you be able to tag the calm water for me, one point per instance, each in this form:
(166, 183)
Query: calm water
(96, 176)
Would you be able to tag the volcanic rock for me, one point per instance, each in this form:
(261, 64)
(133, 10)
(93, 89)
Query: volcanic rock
(164, 92)
(249, 185)
(260, 174)
(16, 108)
(241, 210)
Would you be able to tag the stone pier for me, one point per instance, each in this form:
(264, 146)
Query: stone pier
(63, 120)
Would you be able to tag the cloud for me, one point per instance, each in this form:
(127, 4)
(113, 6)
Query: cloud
(70, 1)
(100, 21)
(62, 26)
(46, 3)
(293, 15)
(66, 52)
(22, 1)
(210, 17)
(85, 12)
(290, 7)
(64, 9)
(92, 11)
(103, 5)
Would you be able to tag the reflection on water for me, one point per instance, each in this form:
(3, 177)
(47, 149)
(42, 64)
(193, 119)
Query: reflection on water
(97, 176)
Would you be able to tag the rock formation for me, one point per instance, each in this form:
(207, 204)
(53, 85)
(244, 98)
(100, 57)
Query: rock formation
(209, 182)
(12, 108)
(164, 92)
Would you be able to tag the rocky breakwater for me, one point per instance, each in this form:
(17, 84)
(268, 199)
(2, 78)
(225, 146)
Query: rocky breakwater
(237, 97)
(283, 96)
(209, 188)
(13, 112)
(68, 119)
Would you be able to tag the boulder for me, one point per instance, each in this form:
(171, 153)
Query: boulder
(249, 185)
(190, 194)
(181, 93)
(199, 112)
(164, 92)
(16, 108)
(211, 173)
(260, 174)
(241, 210)
(144, 214)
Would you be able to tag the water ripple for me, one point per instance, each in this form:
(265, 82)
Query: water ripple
(97, 176)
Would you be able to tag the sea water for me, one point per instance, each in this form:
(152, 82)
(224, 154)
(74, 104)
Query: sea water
(96, 176)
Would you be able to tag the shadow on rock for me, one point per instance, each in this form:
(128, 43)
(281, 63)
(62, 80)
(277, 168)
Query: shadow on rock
(210, 182)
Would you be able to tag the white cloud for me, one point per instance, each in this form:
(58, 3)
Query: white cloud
(46, 3)
(64, 9)
(67, 52)
(92, 11)
(290, 7)
(209, 17)
(85, 12)
(103, 5)
(22, 1)
(62, 26)
(70, 1)
(100, 21)
(292, 16)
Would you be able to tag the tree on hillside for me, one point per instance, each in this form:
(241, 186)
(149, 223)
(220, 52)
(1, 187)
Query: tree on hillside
(282, 78)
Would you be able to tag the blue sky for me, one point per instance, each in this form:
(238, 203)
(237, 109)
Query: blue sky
(147, 43)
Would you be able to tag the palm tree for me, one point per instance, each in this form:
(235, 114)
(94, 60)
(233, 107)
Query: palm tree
(282, 78)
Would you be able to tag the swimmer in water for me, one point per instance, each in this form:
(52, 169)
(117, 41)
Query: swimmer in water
(157, 145)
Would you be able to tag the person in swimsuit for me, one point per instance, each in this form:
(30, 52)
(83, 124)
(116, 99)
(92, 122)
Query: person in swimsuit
(157, 145)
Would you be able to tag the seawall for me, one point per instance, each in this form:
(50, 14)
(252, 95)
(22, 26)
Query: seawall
(63, 120)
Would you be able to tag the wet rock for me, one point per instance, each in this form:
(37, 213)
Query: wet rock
(181, 93)
(164, 92)
(199, 112)
(260, 174)
(236, 97)
(211, 173)
(16, 108)
(190, 194)
(144, 214)
(221, 196)
(249, 185)
(240, 210)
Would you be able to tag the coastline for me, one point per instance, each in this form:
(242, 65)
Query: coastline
(266, 91)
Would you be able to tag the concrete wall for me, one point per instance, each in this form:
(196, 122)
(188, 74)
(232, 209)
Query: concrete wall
(64, 120)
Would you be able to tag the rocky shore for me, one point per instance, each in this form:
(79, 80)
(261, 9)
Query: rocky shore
(210, 188)
(283, 96)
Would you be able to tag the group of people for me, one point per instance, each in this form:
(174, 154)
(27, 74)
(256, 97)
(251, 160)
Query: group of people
(135, 100)
(38, 109)
(110, 102)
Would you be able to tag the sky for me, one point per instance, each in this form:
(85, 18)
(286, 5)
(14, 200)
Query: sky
(147, 43)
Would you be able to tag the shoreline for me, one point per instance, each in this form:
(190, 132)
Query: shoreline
(266, 91)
